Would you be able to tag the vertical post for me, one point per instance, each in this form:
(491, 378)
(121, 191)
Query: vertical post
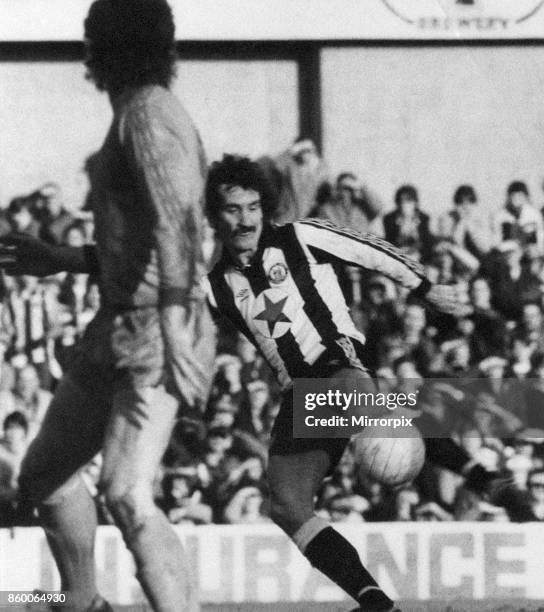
(309, 94)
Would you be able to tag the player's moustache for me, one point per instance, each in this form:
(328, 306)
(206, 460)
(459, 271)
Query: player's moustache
(244, 229)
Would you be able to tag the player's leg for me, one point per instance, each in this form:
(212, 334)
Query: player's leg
(295, 472)
(71, 434)
(136, 439)
(500, 490)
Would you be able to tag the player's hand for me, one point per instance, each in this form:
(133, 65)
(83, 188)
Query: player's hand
(447, 299)
(22, 254)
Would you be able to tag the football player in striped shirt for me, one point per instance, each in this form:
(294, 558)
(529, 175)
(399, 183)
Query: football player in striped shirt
(278, 285)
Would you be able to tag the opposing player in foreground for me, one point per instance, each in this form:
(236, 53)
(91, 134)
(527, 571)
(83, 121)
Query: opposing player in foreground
(278, 286)
(140, 358)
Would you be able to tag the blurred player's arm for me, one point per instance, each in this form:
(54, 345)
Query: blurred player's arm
(23, 254)
(171, 179)
(328, 243)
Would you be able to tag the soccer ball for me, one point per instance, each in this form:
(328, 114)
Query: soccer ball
(389, 460)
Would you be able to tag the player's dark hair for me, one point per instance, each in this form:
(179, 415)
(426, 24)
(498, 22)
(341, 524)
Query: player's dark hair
(16, 419)
(406, 192)
(464, 192)
(517, 187)
(238, 171)
(131, 44)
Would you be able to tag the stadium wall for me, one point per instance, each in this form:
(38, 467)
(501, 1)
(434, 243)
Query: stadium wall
(435, 115)
(450, 562)
(52, 118)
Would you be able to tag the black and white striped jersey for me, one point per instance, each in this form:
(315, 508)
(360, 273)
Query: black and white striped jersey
(289, 303)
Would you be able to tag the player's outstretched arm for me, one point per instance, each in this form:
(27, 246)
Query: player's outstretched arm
(23, 254)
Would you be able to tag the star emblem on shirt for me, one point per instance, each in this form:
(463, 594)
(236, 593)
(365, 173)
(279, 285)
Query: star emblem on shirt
(273, 313)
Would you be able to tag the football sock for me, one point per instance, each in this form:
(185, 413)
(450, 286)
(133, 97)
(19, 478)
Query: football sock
(330, 553)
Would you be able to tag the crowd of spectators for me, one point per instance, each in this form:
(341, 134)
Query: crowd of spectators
(480, 375)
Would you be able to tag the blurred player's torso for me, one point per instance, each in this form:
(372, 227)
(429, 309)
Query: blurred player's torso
(126, 226)
(147, 182)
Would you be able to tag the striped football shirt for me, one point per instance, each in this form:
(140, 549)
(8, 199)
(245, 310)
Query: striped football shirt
(289, 303)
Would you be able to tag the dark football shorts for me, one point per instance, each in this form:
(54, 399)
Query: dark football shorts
(284, 443)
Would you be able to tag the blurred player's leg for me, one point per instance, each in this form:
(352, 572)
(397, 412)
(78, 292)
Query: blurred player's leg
(498, 488)
(70, 436)
(136, 439)
(294, 480)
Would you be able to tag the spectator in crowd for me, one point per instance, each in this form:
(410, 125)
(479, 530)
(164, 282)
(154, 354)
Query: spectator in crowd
(407, 227)
(489, 336)
(254, 366)
(222, 411)
(534, 392)
(506, 392)
(492, 419)
(54, 218)
(346, 508)
(224, 458)
(535, 486)
(182, 500)
(246, 507)
(409, 341)
(34, 314)
(519, 220)
(378, 314)
(352, 205)
(456, 358)
(465, 225)
(30, 399)
(452, 263)
(512, 284)
(228, 374)
(299, 173)
(530, 329)
(431, 511)
(406, 501)
(73, 235)
(21, 219)
(252, 411)
(534, 260)
(12, 450)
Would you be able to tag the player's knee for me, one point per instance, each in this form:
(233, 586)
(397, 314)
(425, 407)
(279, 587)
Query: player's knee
(131, 504)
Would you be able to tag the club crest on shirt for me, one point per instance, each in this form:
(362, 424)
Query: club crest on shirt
(273, 313)
(277, 273)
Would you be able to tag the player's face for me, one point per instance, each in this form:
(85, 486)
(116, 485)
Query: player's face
(240, 220)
